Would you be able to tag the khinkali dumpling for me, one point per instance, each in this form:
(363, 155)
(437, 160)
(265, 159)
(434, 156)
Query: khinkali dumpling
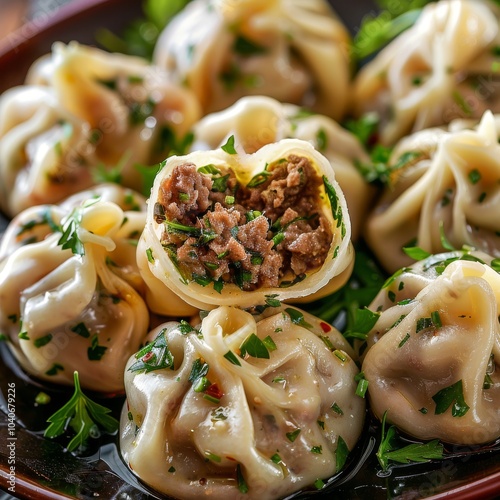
(227, 228)
(67, 296)
(433, 354)
(440, 69)
(449, 189)
(45, 151)
(293, 50)
(244, 407)
(256, 121)
(85, 110)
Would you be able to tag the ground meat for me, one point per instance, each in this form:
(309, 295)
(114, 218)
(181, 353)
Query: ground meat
(254, 237)
(185, 194)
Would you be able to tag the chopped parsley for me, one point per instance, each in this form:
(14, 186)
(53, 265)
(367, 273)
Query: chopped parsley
(451, 396)
(154, 356)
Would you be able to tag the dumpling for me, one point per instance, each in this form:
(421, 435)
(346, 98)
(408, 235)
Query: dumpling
(67, 296)
(83, 110)
(450, 188)
(44, 150)
(433, 354)
(293, 50)
(246, 407)
(440, 69)
(228, 228)
(256, 121)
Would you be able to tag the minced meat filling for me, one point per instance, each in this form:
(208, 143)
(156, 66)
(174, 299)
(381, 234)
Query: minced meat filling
(266, 234)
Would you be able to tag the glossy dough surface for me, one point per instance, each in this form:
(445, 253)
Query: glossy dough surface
(264, 422)
(438, 70)
(84, 111)
(432, 360)
(451, 183)
(78, 307)
(295, 51)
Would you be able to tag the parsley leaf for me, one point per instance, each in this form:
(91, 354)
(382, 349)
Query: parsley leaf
(229, 146)
(82, 415)
(154, 356)
(451, 396)
(70, 238)
(255, 347)
(416, 452)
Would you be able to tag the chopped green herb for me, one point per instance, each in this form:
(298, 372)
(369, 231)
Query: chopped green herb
(255, 347)
(319, 484)
(321, 140)
(292, 436)
(462, 103)
(297, 317)
(451, 396)
(209, 169)
(416, 253)
(185, 328)
(242, 485)
(341, 454)
(213, 457)
(364, 322)
(340, 355)
(259, 179)
(70, 238)
(220, 183)
(405, 339)
(336, 408)
(246, 47)
(40, 342)
(81, 330)
(229, 146)
(56, 367)
(230, 356)
(317, 449)
(362, 384)
(95, 352)
(474, 176)
(23, 335)
(42, 398)
(269, 343)
(154, 356)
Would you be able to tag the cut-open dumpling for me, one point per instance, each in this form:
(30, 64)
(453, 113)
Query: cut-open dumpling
(244, 407)
(228, 228)
(87, 113)
(292, 50)
(440, 69)
(256, 121)
(433, 355)
(68, 298)
(449, 191)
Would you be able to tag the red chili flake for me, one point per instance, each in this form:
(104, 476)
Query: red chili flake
(325, 327)
(147, 357)
(214, 391)
(231, 458)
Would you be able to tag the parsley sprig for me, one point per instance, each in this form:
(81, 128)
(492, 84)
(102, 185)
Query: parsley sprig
(415, 452)
(83, 415)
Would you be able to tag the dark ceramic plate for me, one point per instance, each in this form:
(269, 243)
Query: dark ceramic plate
(32, 467)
